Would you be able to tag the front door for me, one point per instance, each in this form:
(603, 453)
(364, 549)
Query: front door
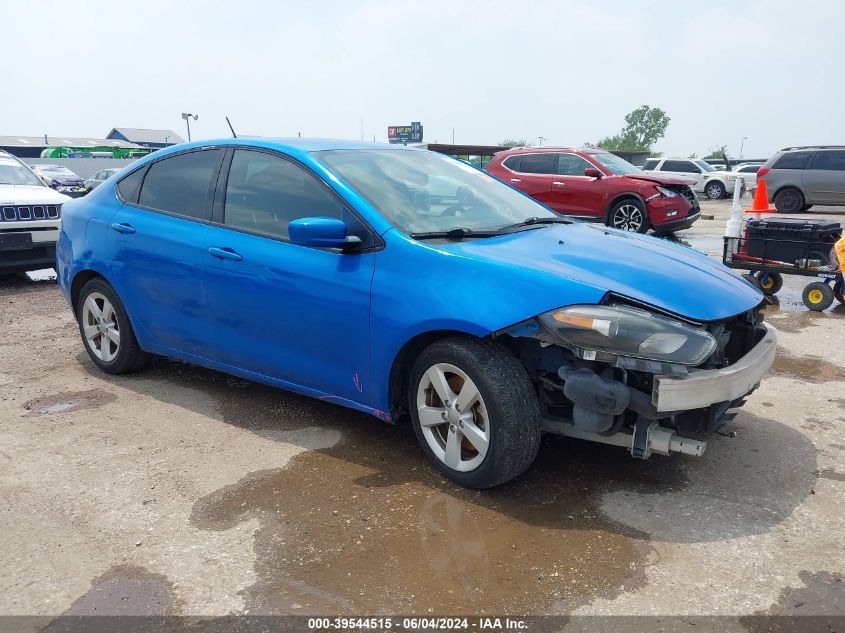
(285, 311)
(573, 193)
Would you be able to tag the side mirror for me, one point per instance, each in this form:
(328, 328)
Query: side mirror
(322, 233)
(592, 172)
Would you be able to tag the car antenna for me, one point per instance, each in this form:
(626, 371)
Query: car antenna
(231, 128)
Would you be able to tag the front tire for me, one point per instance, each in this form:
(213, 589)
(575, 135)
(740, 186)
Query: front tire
(715, 190)
(474, 411)
(789, 200)
(769, 283)
(106, 331)
(629, 215)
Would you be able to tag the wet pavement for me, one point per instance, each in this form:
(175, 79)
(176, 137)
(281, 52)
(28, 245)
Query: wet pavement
(184, 491)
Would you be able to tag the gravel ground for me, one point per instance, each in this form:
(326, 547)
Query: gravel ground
(183, 491)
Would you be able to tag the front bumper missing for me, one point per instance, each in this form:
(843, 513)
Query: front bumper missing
(701, 388)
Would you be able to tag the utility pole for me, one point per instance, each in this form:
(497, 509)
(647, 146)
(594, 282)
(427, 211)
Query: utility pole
(741, 146)
(540, 139)
(453, 136)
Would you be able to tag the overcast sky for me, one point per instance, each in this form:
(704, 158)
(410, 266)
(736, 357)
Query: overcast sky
(770, 71)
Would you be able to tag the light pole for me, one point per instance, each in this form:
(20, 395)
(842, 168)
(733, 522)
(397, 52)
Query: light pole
(541, 139)
(741, 145)
(187, 116)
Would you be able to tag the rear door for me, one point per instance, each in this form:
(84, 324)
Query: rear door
(824, 178)
(572, 192)
(157, 251)
(535, 175)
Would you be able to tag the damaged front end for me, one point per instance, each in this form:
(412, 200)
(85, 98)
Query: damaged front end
(622, 375)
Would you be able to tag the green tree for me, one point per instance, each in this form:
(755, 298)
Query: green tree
(510, 142)
(717, 151)
(643, 128)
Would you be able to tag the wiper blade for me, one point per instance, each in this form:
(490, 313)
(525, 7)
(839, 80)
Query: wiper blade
(533, 220)
(457, 233)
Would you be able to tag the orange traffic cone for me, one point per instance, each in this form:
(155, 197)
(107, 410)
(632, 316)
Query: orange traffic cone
(761, 200)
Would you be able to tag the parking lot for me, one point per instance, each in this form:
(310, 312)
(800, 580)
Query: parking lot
(179, 490)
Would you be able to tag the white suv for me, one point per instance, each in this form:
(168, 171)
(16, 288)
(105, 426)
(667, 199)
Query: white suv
(30, 216)
(712, 183)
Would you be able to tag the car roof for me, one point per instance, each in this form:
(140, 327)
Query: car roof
(804, 147)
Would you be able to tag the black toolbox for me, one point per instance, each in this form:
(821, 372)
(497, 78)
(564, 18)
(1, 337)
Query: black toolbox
(790, 240)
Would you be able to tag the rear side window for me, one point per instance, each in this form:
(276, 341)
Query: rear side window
(679, 166)
(264, 193)
(181, 184)
(753, 169)
(572, 165)
(512, 162)
(128, 186)
(793, 160)
(829, 161)
(538, 163)
(651, 163)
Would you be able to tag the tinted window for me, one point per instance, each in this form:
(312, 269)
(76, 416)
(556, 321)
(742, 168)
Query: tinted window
(265, 193)
(830, 161)
(753, 169)
(180, 184)
(538, 163)
(651, 163)
(679, 165)
(512, 162)
(572, 165)
(793, 160)
(128, 186)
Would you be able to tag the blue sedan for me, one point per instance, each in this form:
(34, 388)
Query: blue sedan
(347, 272)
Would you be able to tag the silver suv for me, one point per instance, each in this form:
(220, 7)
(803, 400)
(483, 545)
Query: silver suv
(799, 177)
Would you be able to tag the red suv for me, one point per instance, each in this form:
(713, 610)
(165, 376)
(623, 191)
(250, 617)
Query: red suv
(595, 185)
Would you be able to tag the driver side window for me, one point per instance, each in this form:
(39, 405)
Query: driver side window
(265, 193)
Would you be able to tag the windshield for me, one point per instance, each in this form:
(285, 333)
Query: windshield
(13, 173)
(705, 166)
(420, 191)
(615, 165)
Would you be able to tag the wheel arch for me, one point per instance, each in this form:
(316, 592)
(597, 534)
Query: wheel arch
(784, 187)
(619, 197)
(79, 280)
(400, 371)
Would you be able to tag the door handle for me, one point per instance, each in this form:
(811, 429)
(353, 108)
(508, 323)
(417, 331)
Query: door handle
(126, 229)
(558, 183)
(515, 180)
(225, 253)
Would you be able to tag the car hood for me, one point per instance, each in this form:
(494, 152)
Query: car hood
(30, 194)
(662, 180)
(649, 270)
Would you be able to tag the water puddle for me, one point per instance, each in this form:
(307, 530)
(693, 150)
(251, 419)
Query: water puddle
(807, 368)
(66, 402)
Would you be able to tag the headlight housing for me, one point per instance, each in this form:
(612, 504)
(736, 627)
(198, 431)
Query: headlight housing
(663, 191)
(627, 331)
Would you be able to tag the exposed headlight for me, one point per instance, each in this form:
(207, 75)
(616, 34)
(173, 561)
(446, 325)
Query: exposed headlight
(663, 191)
(626, 331)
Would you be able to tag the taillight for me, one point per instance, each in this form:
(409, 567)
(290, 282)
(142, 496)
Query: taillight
(762, 172)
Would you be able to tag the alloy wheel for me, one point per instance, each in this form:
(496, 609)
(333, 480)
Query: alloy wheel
(453, 417)
(628, 217)
(714, 191)
(99, 323)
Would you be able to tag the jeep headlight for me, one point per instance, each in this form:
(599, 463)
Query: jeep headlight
(627, 331)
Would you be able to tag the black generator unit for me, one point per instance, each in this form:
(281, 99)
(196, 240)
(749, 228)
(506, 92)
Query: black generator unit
(791, 240)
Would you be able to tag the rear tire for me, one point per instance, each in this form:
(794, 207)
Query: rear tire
(839, 290)
(629, 215)
(106, 331)
(715, 190)
(789, 200)
(817, 296)
(489, 432)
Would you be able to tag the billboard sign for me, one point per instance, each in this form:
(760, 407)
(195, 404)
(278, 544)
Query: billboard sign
(405, 133)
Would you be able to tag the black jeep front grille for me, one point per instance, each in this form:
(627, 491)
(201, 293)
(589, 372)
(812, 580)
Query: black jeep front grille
(23, 213)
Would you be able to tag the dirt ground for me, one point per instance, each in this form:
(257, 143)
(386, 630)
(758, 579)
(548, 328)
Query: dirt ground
(179, 490)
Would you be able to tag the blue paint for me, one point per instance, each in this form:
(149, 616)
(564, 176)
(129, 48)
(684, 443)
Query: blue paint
(307, 319)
